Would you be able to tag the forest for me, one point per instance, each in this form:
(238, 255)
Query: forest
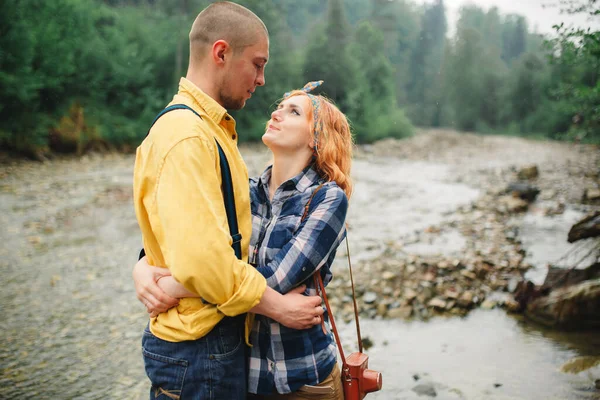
(82, 74)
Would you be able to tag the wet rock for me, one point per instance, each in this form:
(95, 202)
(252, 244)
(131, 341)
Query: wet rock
(404, 312)
(369, 297)
(425, 389)
(523, 191)
(367, 342)
(410, 294)
(437, 303)
(528, 172)
(468, 274)
(382, 309)
(591, 195)
(488, 304)
(466, 299)
(388, 275)
(512, 204)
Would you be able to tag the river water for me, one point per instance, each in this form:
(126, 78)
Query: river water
(488, 354)
(72, 325)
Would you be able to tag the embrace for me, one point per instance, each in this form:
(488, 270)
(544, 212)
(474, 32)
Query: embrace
(227, 276)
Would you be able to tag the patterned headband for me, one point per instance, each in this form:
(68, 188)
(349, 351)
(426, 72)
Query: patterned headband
(309, 87)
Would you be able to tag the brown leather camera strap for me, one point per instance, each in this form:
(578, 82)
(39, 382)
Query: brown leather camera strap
(321, 287)
(319, 284)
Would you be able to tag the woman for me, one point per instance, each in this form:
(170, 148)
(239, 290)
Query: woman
(311, 143)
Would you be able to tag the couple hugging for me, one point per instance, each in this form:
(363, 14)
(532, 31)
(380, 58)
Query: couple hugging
(228, 273)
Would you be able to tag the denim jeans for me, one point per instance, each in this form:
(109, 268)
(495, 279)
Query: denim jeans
(212, 367)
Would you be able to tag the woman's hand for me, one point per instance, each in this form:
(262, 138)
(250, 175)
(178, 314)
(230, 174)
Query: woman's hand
(147, 290)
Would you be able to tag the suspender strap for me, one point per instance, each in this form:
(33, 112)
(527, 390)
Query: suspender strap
(226, 187)
(229, 200)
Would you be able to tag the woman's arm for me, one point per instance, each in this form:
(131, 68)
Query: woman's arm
(316, 238)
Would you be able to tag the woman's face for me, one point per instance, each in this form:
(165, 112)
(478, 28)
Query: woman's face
(289, 126)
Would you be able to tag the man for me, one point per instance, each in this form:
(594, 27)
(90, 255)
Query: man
(180, 210)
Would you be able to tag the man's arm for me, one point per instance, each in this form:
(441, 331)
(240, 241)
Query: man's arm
(293, 310)
(190, 225)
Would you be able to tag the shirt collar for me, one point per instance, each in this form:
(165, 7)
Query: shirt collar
(306, 178)
(214, 110)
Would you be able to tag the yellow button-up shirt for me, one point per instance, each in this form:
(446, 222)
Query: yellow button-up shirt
(180, 211)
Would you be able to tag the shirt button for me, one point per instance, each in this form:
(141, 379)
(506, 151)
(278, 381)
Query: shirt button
(303, 268)
(227, 118)
(211, 357)
(233, 137)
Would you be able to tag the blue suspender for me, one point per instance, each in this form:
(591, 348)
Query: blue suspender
(227, 187)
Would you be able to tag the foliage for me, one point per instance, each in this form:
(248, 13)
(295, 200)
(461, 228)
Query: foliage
(97, 71)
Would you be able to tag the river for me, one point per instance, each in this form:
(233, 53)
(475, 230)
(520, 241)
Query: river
(72, 325)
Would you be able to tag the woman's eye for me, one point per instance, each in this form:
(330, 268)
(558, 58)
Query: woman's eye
(295, 112)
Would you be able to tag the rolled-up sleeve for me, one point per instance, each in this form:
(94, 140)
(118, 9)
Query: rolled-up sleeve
(313, 242)
(194, 235)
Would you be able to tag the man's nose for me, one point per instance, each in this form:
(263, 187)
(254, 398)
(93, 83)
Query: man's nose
(260, 79)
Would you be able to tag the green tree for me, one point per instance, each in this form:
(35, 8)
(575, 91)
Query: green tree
(377, 114)
(425, 74)
(576, 61)
(464, 77)
(328, 58)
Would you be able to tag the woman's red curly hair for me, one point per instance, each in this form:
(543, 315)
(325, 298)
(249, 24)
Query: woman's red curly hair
(333, 153)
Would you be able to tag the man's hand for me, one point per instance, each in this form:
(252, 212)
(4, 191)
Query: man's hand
(293, 310)
(147, 291)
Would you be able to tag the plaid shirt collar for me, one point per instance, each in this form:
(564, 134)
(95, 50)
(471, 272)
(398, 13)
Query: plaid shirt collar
(306, 178)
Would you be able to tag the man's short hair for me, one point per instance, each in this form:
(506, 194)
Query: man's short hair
(227, 21)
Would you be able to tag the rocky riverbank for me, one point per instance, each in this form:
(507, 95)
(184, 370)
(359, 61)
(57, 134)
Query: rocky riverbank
(427, 227)
(400, 283)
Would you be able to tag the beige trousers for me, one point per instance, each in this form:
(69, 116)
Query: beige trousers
(330, 389)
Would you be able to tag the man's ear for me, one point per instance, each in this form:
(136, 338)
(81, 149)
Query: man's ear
(220, 51)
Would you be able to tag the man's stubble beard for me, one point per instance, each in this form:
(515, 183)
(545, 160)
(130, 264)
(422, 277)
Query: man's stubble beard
(228, 101)
(232, 104)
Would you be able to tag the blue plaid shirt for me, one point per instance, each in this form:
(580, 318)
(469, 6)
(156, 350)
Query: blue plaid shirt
(287, 252)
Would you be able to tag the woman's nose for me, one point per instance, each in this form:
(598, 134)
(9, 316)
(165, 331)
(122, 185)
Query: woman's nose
(276, 115)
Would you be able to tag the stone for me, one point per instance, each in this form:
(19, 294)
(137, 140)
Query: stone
(369, 297)
(403, 312)
(437, 303)
(429, 277)
(425, 389)
(451, 294)
(382, 309)
(591, 194)
(528, 172)
(466, 299)
(468, 274)
(388, 276)
(443, 265)
(410, 294)
(488, 304)
(512, 204)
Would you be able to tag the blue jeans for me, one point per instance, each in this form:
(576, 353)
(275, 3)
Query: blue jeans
(212, 367)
